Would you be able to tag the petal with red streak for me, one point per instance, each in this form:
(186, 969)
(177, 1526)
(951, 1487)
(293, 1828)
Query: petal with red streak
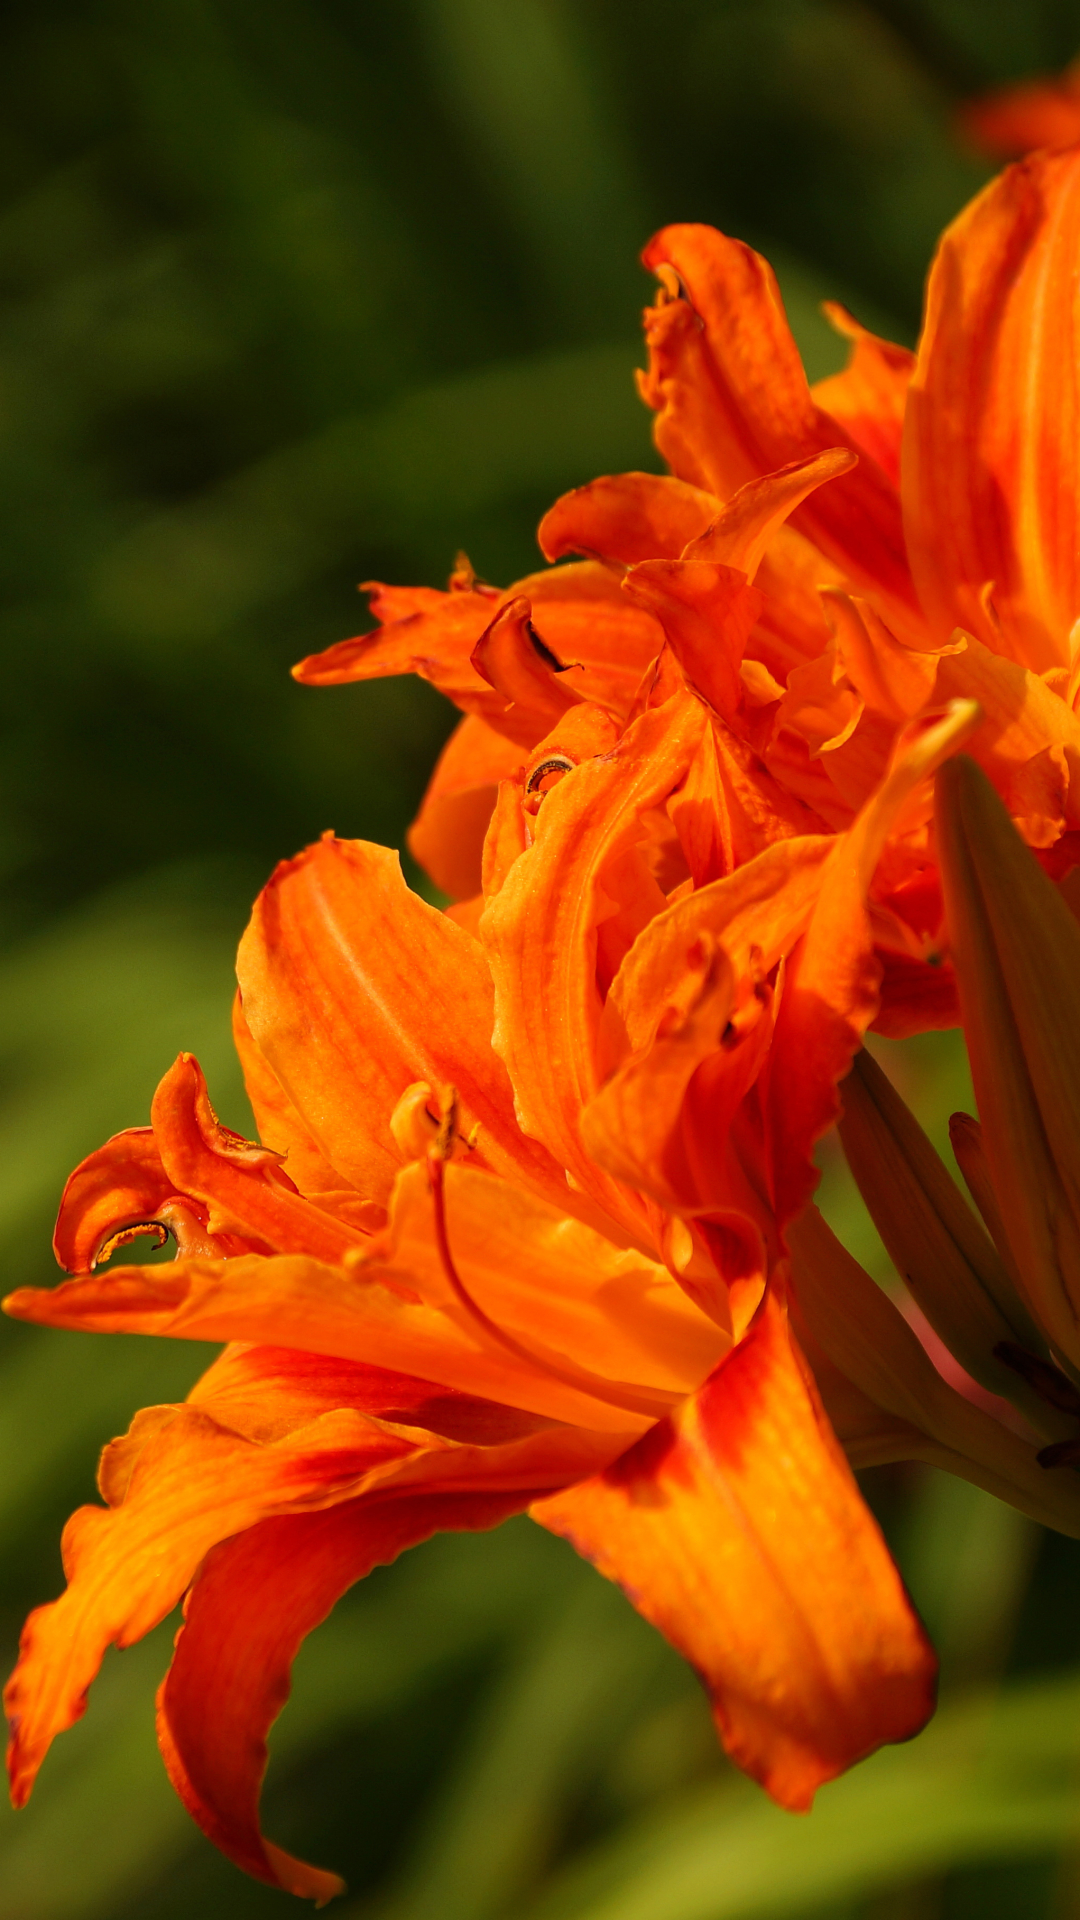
(253, 1602)
(737, 1529)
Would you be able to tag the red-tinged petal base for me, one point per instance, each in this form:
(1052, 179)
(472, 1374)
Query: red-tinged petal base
(255, 1599)
(737, 1529)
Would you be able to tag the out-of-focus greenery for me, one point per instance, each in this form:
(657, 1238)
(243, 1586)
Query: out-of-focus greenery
(295, 294)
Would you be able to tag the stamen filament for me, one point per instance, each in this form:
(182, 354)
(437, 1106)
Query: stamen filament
(613, 1393)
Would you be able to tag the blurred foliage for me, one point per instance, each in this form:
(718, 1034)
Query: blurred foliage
(317, 290)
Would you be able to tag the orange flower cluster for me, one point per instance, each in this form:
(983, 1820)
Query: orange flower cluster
(528, 1223)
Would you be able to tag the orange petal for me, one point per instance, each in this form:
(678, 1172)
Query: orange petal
(571, 904)
(253, 1602)
(1013, 120)
(242, 1185)
(193, 1484)
(1029, 742)
(745, 527)
(729, 807)
(627, 517)
(991, 491)
(707, 612)
(831, 992)
(515, 659)
(294, 1301)
(732, 401)
(122, 1185)
(868, 398)
(447, 836)
(354, 989)
(421, 631)
(565, 1292)
(737, 1529)
(279, 1125)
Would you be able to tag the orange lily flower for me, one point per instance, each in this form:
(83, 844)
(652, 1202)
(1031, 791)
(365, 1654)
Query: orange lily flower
(513, 1239)
(1010, 121)
(823, 564)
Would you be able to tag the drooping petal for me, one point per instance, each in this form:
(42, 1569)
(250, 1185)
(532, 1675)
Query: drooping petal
(194, 1483)
(991, 478)
(868, 398)
(447, 836)
(254, 1600)
(354, 989)
(732, 402)
(737, 1529)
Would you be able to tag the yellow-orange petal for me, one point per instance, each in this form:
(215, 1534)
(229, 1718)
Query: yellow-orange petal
(737, 1529)
(991, 468)
(354, 989)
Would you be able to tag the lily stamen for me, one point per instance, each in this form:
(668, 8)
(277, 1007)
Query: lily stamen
(613, 1393)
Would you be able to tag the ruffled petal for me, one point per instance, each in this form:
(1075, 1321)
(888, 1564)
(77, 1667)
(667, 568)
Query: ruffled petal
(354, 989)
(120, 1191)
(253, 1602)
(691, 1015)
(578, 610)
(447, 836)
(737, 1529)
(990, 467)
(535, 684)
(732, 402)
(242, 1185)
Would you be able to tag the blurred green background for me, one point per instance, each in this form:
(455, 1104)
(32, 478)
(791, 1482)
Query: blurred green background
(298, 293)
